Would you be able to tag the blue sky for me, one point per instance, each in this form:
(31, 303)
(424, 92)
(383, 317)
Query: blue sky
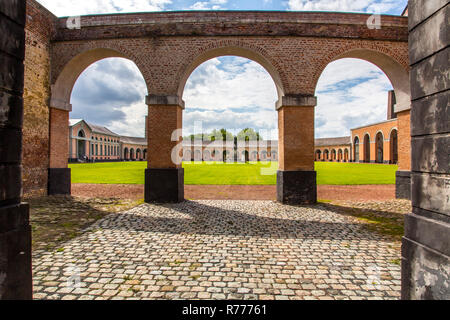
(229, 92)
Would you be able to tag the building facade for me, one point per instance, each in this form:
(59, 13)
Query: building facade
(92, 143)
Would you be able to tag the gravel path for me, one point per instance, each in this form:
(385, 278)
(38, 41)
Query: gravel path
(221, 250)
(363, 192)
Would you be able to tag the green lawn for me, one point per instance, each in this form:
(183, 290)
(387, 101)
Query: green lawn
(234, 174)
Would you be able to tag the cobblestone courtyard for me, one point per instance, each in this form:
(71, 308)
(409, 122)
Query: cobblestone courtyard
(222, 250)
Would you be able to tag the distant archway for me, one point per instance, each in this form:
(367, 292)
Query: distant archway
(379, 147)
(393, 143)
(81, 145)
(367, 148)
(356, 149)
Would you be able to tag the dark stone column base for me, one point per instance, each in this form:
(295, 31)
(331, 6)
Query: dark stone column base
(297, 187)
(59, 181)
(164, 185)
(15, 253)
(425, 252)
(403, 185)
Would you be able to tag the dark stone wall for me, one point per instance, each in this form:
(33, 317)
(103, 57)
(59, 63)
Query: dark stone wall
(15, 231)
(426, 244)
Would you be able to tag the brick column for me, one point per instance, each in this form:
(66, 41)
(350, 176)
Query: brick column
(296, 178)
(15, 230)
(403, 175)
(59, 176)
(426, 244)
(164, 177)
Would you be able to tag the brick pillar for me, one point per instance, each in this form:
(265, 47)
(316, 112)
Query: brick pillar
(296, 178)
(164, 178)
(403, 175)
(426, 244)
(15, 230)
(59, 176)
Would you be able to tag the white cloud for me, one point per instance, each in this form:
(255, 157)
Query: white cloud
(209, 5)
(83, 7)
(368, 6)
(350, 93)
(230, 92)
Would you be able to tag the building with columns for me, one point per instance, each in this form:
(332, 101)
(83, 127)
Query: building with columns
(91, 143)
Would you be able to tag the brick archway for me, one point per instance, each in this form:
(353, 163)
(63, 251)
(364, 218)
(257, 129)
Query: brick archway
(167, 47)
(231, 48)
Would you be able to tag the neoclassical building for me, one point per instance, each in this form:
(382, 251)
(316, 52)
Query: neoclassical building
(91, 142)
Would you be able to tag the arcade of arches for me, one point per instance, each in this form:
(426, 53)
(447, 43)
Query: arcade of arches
(55, 57)
(295, 52)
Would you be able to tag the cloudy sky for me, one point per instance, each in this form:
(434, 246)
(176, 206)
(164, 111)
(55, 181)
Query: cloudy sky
(229, 92)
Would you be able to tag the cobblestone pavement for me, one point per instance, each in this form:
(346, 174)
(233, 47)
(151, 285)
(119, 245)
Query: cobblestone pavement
(221, 250)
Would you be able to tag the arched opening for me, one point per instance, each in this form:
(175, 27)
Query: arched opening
(393, 143)
(225, 108)
(353, 94)
(81, 154)
(138, 154)
(106, 89)
(126, 154)
(145, 154)
(326, 155)
(379, 147)
(318, 155)
(367, 148)
(356, 149)
(132, 154)
(333, 155)
(346, 155)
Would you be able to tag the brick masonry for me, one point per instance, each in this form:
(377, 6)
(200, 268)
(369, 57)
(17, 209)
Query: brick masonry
(15, 230)
(35, 159)
(386, 129)
(293, 47)
(426, 244)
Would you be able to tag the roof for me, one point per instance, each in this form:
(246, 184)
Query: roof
(94, 127)
(133, 140)
(333, 141)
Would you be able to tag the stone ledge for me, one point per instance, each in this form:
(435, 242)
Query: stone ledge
(60, 105)
(294, 100)
(169, 100)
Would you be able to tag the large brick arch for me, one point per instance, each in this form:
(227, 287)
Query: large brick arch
(232, 47)
(69, 66)
(391, 58)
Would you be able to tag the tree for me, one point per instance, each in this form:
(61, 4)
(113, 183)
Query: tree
(249, 134)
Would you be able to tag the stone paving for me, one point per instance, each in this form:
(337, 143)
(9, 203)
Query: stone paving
(221, 250)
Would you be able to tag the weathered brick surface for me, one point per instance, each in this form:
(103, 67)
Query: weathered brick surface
(163, 121)
(404, 141)
(296, 138)
(59, 142)
(35, 159)
(295, 63)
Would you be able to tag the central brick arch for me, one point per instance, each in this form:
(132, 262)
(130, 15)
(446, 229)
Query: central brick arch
(237, 48)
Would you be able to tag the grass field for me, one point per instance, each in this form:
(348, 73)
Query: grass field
(253, 173)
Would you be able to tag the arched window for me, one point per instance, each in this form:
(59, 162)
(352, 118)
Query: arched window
(379, 147)
(356, 149)
(393, 141)
(367, 148)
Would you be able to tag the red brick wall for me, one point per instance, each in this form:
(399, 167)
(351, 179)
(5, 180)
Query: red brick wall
(35, 158)
(59, 141)
(372, 130)
(404, 141)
